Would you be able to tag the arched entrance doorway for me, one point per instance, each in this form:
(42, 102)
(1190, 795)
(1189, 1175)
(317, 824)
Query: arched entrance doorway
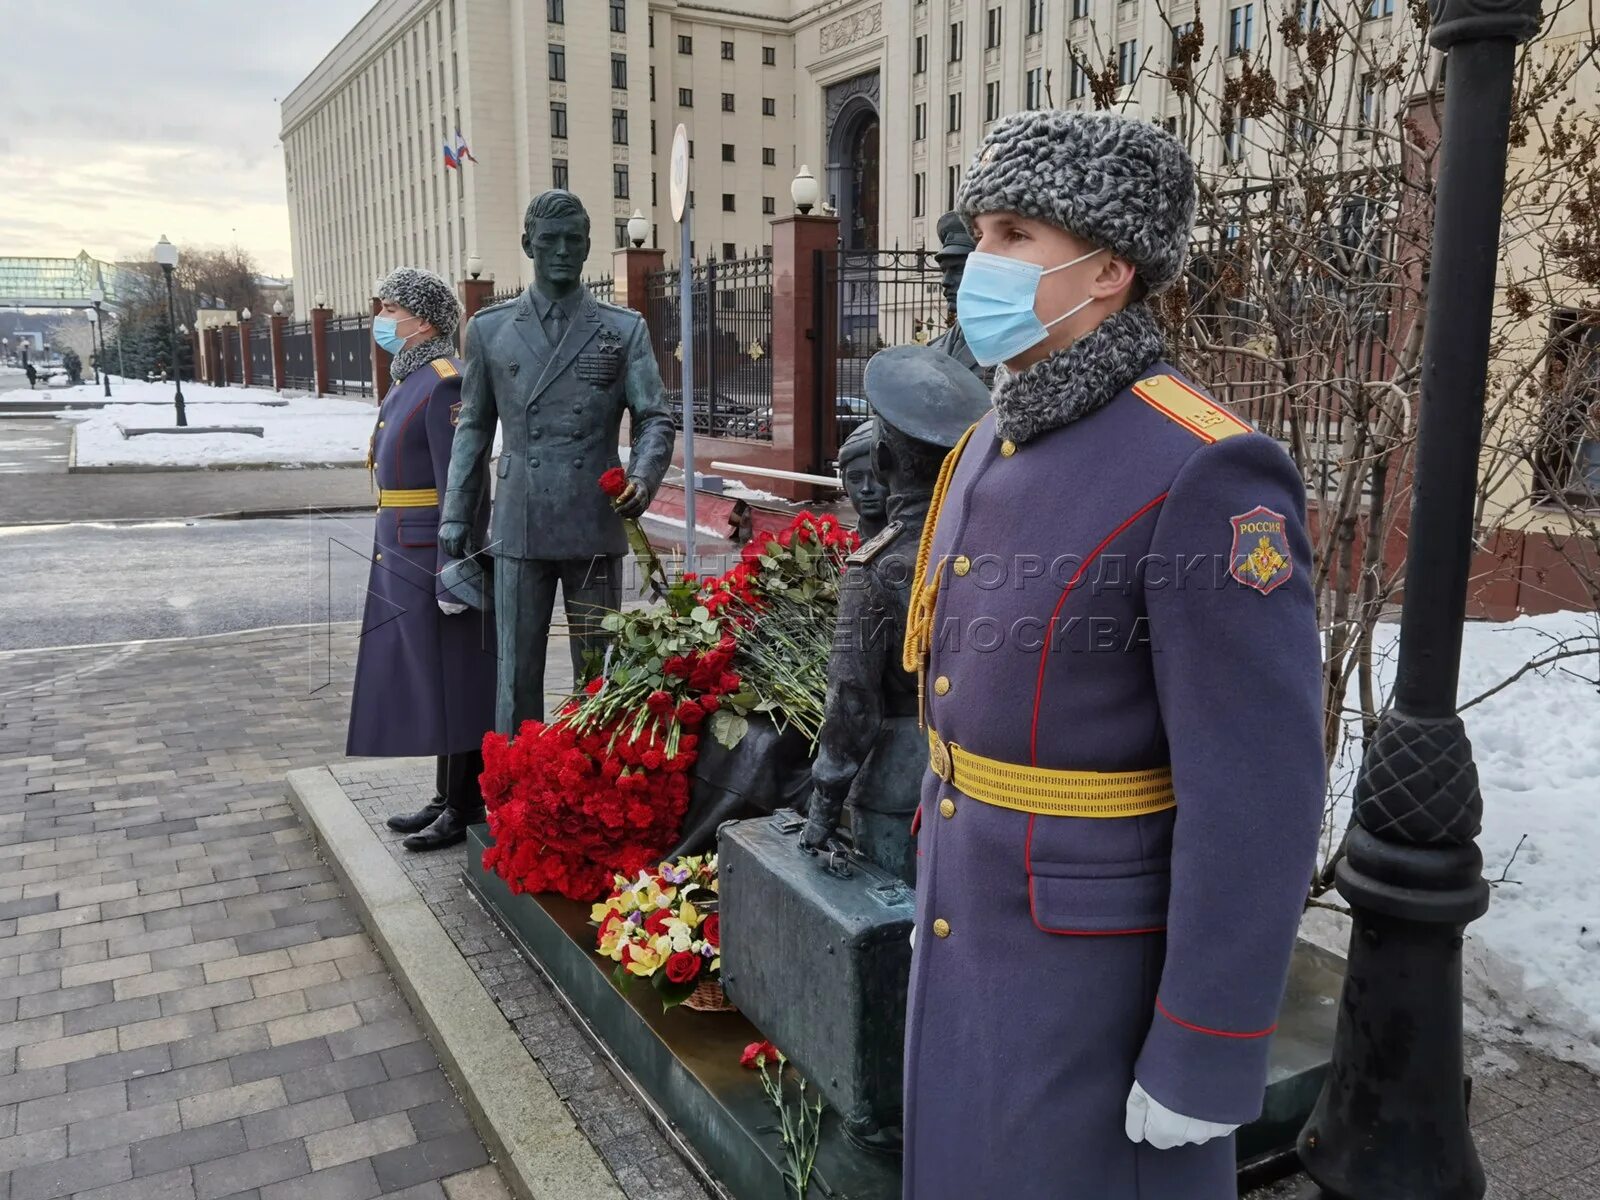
(853, 164)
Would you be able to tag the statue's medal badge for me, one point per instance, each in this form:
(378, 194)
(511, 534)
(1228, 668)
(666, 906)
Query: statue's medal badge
(602, 363)
(1261, 558)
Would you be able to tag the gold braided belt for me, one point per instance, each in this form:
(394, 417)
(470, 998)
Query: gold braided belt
(1051, 792)
(408, 497)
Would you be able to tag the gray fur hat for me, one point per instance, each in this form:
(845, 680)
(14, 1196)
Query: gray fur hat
(1119, 182)
(423, 294)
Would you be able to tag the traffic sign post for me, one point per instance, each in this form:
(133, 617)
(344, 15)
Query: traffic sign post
(678, 184)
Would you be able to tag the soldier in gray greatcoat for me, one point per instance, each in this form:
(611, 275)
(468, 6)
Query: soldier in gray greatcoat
(556, 370)
(955, 243)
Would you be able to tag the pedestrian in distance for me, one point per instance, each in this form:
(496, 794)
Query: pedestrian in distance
(32, 375)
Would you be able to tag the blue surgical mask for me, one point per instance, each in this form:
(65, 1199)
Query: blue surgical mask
(995, 305)
(385, 331)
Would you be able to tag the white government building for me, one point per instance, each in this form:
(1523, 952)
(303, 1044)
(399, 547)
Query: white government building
(885, 100)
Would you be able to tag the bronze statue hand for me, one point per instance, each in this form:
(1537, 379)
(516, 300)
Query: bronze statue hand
(455, 538)
(822, 822)
(635, 498)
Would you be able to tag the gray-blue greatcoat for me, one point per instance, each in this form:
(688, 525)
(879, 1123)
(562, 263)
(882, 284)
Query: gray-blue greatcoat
(425, 681)
(1098, 624)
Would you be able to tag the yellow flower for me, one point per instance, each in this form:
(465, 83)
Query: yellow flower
(688, 915)
(645, 961)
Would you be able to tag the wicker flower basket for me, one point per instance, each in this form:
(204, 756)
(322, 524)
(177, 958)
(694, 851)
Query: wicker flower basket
(708, 996)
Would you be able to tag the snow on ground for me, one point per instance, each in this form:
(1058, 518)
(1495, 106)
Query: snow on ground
(305, 430)
(1533, 961)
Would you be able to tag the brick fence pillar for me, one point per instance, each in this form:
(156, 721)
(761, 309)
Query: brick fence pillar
(320, 316)
(474, 295)
(279, 367)
(797, 244)
(248, 376)
(630, 268)
(381, 359)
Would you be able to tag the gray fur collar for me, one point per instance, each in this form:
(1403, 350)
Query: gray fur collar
(1072, 383)
(420, 355)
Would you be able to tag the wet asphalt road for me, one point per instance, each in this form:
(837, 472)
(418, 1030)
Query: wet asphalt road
(64, 585)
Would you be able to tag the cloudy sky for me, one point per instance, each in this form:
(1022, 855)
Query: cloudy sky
(122, 121)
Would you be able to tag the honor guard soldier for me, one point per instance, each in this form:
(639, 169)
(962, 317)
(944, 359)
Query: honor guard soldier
(425, 669)
(1113, 617)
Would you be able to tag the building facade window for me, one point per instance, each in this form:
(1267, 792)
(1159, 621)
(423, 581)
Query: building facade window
(555, 11)
(1080, 9)
(769, 205)
(619, 127)
(652, 85)
(991, 100)
(727, 152)
(953, 118)
(619, 181)
(619, 16)
(1369, 106)
(955, 41)
(727, 201)
(1179, 32)
(1035, 17)
(994, 24)
(1241, 29)
(685, 97)
(620, 228)
(769, 56)
(919, 121)
(1379, 8)
(1078, 83)
(727, 101)
(727, 51)
(1233, 146)
(685, 44)
(558, 119)
(558, 173)
(952, 181)
(1035, 88)
(919, 194)
(769, 156)
(558, 63)
(1127, 61)
(619, 72)
(919, 59)
(769, 106)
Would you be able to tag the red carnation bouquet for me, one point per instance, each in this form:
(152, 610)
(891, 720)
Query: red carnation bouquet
(613, 482)
(601, 789)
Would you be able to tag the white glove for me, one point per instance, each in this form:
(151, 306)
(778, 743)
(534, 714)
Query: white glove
(450, 609)
(1148, 1120)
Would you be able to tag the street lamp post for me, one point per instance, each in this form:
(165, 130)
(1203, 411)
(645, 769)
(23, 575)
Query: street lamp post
(1391, 1123)
(98, 297)
(167, 255)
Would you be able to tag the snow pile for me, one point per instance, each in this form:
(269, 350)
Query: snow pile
(1533, 961)
(304, 430)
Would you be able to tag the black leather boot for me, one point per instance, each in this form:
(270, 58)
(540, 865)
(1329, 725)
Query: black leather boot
(419, 820)
(463, 804)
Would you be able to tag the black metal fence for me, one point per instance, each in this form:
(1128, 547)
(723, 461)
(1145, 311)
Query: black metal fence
(732, 348)
(866, 301)
(604, 290)
(510, 293)
(231, 363)
(261, 354)
(299, 364)
(350, 355)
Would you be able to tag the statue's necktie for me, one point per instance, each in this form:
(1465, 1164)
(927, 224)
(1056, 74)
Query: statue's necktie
(556, 325)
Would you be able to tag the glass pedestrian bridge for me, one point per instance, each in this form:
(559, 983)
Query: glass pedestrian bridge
(57, 282)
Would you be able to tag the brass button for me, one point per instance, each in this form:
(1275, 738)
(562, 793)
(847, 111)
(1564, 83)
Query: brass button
(941, 928)
(962, 564)
(380, 424)
(1007, 448)
(377, 557)
(941, 685)
(947, 808)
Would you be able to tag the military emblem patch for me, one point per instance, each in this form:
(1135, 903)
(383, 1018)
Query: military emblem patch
(455, 413)
(1261, 558)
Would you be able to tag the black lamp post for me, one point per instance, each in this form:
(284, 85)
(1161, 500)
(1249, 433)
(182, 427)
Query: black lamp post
(1391, 1123)
(97, 298)
(167, 255)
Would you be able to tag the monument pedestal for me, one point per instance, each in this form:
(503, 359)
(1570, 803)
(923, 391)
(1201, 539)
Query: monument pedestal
(685, 1065)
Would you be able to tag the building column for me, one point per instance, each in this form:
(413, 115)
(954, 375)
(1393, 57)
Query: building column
(319, 347)
(630, 269)
(800, 373)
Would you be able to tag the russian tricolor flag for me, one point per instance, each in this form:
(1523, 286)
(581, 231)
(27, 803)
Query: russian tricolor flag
(450, 159)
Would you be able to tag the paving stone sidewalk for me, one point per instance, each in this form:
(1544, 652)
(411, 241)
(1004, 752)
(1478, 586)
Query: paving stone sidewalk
(188, 1009)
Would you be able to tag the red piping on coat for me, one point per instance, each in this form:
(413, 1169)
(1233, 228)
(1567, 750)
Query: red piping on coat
(1044, 651)
(1223, 1033)
(1027, 865)
(399, 438)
